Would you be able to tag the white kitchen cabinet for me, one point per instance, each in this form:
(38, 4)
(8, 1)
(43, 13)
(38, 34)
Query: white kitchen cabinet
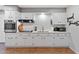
(41, 40)
(28, 41)
(11, 15)
(61, 42)
(19, 42)
(49, 40)
(24, 40)
(26, 15)
(58, 40)
(36, 40)
(59, 18)
(10, 40)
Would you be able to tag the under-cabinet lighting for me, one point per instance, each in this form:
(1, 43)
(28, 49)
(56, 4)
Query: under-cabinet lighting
(42, 13)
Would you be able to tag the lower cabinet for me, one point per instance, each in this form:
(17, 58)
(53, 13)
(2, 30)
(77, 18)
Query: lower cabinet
(28, 42)
(11, 42)
(37, 40)
(61, 42)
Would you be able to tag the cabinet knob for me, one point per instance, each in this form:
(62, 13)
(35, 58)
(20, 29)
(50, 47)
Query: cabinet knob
(25, 38)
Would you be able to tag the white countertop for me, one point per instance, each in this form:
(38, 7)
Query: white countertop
(42, 32)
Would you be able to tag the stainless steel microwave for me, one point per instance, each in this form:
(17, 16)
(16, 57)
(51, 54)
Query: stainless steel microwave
(60, 29)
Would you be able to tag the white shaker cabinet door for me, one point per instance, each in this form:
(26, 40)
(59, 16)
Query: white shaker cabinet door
(7, 14)
(61, 42)
(11, 15)
(59, 18)
(37, 41)
(15, 15)
(11, 42)
(8, 42)
(42, 41)
(49, 40)
(24, 40)
(27, 15)
(27, 41)
(19, 42)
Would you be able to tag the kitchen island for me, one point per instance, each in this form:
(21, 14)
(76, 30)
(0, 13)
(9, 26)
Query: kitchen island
(37, 39)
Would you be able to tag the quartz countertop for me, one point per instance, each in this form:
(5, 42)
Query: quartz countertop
(42, 32)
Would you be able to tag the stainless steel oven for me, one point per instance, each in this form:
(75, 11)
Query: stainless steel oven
(10, 26)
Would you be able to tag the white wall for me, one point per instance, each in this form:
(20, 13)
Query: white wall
(2, 34)
(43, 21)
(74, 30)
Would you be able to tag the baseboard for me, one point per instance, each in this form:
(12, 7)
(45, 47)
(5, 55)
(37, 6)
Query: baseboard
(2, 42)
(74, 51)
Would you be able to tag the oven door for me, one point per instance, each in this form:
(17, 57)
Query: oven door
(9, 27)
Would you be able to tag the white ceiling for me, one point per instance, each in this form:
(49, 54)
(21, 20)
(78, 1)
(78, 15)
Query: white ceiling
(43, 6)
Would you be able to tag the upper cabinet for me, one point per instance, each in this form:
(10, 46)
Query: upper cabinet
(26, 15)
(73, 9)
(11, 13)
(59, 18)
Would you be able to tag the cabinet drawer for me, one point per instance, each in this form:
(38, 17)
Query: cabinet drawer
(11, 44)
(28, 44)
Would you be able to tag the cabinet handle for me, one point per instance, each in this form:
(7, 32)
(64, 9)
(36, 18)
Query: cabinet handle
(10, 37)
(53, 37)
(24, 38)
(16, 43)
(61, 38)
(16, 37)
